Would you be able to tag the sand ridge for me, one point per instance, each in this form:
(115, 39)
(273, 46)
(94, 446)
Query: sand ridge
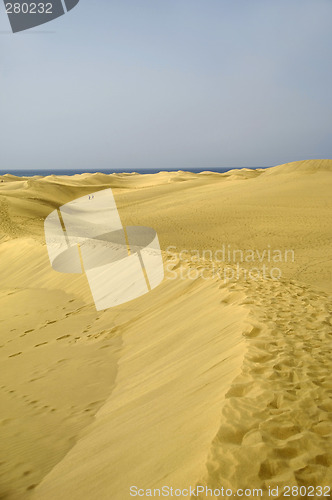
(169, 387)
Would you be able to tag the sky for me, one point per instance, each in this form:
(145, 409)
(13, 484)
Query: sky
(137, 84)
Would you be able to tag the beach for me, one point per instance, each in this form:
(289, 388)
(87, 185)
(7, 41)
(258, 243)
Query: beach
(219, 376)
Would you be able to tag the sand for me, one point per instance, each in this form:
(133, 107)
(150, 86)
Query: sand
(200, 382)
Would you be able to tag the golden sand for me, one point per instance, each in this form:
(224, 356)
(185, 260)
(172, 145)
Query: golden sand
(200, 381)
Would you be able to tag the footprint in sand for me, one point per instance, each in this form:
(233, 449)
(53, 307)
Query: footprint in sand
(63, 337)
(281, 404)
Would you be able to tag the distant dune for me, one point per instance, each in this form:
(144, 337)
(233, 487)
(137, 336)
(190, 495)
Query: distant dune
(204, 380)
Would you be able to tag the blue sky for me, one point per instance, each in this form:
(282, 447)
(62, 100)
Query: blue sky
(132, 84)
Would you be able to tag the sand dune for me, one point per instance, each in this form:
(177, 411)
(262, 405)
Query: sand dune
(201, 381)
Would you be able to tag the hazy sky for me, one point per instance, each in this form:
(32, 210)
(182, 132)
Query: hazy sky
(168, 84)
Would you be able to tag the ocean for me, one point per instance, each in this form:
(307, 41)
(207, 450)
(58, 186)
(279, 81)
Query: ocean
(45, 172)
